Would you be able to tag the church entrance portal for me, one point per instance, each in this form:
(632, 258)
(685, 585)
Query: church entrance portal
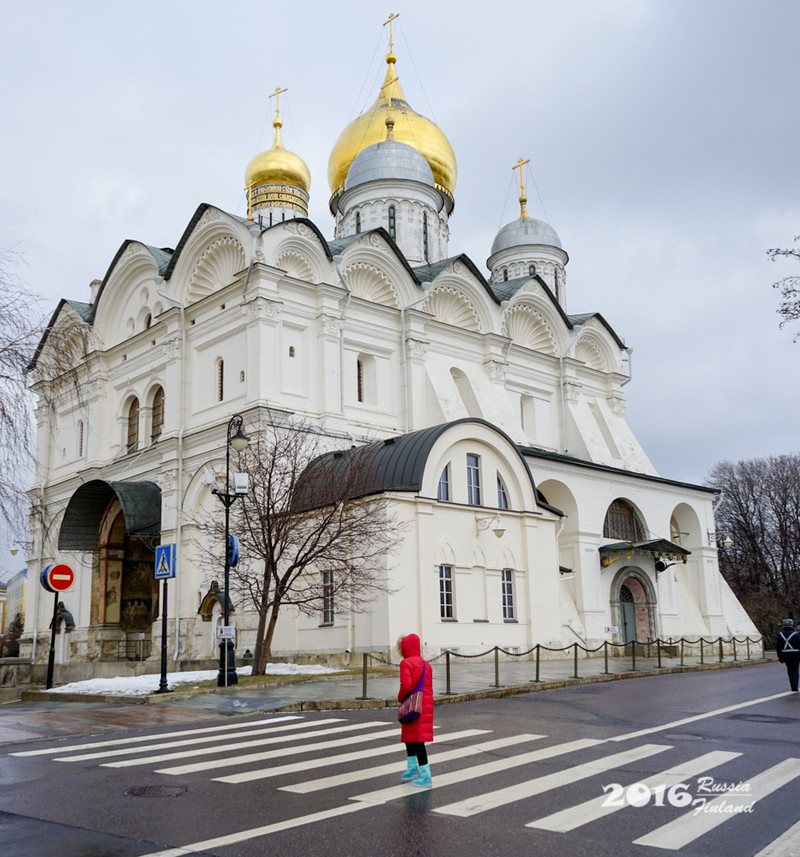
(634, 607)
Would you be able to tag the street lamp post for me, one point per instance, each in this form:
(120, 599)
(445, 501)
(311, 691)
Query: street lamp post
(238, 440)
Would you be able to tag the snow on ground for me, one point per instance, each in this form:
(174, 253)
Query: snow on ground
(141, 685)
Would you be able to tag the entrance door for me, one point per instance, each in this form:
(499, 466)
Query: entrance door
(627, 615)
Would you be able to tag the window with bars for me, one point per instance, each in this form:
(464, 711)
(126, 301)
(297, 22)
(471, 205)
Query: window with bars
(220, 380)
(392, 222)
(443, 492)
(473, 480)
(132, 442)
(158, 414)
(80, 438)
(358, 223)
(425, 236)
(327, 598)
(623, 523)
(507, 593)
(360, 380)
(446, 600)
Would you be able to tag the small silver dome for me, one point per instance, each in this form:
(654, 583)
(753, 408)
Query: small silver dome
(525, 230)
(388, 160)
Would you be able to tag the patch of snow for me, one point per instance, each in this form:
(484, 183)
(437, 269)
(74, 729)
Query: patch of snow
(141, 685)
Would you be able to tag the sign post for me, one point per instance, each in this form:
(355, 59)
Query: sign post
(55, 579)
(165, 568)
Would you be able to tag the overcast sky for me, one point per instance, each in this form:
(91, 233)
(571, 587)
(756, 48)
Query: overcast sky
(663, 137)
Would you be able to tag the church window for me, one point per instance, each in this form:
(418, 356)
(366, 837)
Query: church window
(158, 414)
(148, 320)
(623, 523)
(360, 380)
(358, 223)
(327, 598)
(220, 380)
(392, 222)
(425, 236)
(502, 494)
(505, 273)
(132, 442)
(291, 351)
(507, 593)
(532, 270)
(80, 438)
(446, 600)
(443, 491)
(473, 480)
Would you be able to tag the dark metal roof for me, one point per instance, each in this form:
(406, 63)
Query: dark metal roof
(141, 506)
(428, 273)
(394, 464)
(583, 317)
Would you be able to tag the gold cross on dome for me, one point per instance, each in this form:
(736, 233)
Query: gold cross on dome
(518, 166)
(392, 16)
(277, 96)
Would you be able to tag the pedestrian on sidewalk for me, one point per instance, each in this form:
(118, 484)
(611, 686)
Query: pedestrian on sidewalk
(415, 671)
(787, 648)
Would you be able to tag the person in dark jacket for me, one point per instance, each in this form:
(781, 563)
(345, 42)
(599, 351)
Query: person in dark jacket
(787, 647)
(418, 732)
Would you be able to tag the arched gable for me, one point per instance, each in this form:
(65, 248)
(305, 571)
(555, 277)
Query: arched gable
(597, 347)
(529, 327)
(451, 306)
(297, 248)
(369, 282)
(128, 301)
(459, 298)
(213, 250)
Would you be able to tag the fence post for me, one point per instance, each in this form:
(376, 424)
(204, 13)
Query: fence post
(605, 655)
(365, 656)
(763, 650)
(447, 671)
(748, 647)
(701, 652)
(658, 651)
(733, 644)
(720, 649)
(496, 667)
(633, 655)
(575, 660)
(537, 663)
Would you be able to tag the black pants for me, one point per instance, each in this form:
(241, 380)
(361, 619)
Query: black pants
(792, 661)
(417, 748)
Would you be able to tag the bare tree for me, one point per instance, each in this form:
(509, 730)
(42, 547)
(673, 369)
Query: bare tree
(317, 531)
(789, 287)
(760, 512)
(21, 325)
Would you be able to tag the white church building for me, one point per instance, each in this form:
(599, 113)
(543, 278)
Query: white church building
(497, 416)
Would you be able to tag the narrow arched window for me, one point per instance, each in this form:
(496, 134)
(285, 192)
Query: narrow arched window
(505, 274)
(148, 320)
(473, 480)
(360, 380)
(623, 522)
(220, 380)
(532, 270)
(392, 222)
(158, 414)
(425, 236)
(80, 439)
(358, 223)
(443, 491)
(132, 442)
(502, 494)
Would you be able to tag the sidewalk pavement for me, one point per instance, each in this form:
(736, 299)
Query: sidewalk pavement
(45, 715)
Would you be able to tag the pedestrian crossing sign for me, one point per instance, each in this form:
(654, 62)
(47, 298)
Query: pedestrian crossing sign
(165, 561)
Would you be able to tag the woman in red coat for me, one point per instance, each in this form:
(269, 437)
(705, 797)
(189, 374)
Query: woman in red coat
(415, 734)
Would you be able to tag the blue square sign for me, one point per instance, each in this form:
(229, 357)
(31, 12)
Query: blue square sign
(165, 561)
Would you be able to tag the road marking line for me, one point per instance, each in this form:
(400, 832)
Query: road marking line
(142, 738)
(349, 741)
(642, 732)
(327, 761)
(195, 742)
(255, 832)
(786, 845)
(591, 810)
(383, 795)
(510, 794)
(394, 768)
(680, 832)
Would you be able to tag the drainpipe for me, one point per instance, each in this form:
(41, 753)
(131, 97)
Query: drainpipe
(159, 281)
(337, 261)
(630, 367)
(577, 330)
(426, 290)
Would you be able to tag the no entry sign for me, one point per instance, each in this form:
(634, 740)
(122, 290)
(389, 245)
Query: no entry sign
(57, 578)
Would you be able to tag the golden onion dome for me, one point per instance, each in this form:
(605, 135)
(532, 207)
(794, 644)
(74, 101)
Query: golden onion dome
(410, 127)
(278, 165)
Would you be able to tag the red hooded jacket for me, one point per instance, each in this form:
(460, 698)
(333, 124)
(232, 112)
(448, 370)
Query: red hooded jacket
(410, 671)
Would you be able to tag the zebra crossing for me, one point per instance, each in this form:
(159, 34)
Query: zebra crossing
(298, 745)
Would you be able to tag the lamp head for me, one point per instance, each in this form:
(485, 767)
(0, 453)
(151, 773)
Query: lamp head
(239, 441)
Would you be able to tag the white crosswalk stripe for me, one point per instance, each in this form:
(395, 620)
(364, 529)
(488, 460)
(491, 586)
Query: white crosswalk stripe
(342, 758)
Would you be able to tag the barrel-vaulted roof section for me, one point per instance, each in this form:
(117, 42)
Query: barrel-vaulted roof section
(395, 464)
(141, 506)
